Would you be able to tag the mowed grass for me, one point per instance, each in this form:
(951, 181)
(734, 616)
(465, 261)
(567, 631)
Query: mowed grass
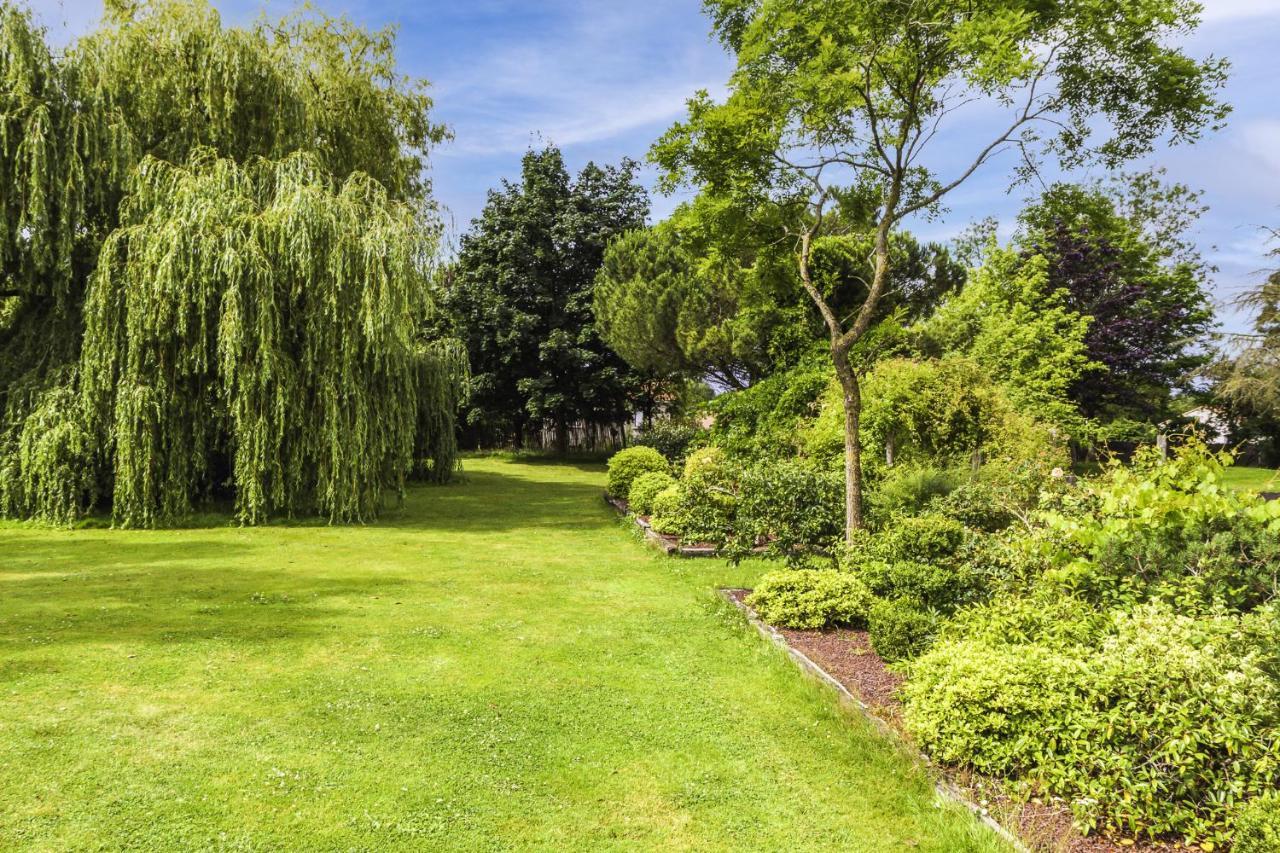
(1253, 479)
(498, 665)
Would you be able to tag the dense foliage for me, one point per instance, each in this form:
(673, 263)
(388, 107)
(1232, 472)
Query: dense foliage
(1138, 625)
(521, 297)
(1142, 289)
(833, 105)
(215, 246)
(810, 599)
(626, 466)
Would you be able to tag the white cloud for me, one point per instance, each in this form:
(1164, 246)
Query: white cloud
(1229, 10)
(1261, 138)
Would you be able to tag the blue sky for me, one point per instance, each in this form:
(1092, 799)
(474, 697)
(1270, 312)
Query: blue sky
(603, 78)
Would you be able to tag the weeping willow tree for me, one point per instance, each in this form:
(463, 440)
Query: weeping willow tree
(214, 251)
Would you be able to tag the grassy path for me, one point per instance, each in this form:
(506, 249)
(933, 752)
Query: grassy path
(499, 665)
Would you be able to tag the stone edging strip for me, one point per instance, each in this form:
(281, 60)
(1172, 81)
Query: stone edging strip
(945, 789)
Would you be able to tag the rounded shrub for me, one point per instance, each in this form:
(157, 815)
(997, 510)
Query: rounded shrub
(665, 514)
(900, 629)
(1257, 825)
(810, 599)
(626, 465)
(647, 487)
(922, 539)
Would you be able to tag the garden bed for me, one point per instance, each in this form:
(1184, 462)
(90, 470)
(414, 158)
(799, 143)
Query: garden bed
(844, 660)
(664, 541)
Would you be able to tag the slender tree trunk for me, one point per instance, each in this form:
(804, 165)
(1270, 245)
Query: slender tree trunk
(851, 395)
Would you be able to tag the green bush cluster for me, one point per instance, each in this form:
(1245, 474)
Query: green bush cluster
(811, 599)
(789, 506)
(626, 465)
(1258, 825)
(673, 438)
(646, 488)
(919, 569)
(1157, 726)
(1128, 659)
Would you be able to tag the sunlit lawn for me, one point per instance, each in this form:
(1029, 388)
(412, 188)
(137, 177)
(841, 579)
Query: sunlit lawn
(1253, 479)
(498, 665)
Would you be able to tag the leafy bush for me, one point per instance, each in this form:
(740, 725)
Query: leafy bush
(672, 438)
(1157, 728)
(1258, 825)
(767, 418)
(900, 628)
(791, 506)
(1167, 528)
(647, 487)
(626, 465)
(977, 504)
(810, 599)
(708, 498)
(939, 587)
(907, 489)
(665, 516)
(924, 539)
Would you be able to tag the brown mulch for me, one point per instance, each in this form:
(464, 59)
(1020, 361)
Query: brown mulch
(847, 656)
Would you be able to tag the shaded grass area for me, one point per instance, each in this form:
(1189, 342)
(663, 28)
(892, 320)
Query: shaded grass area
(499, 664)
(1253, 479)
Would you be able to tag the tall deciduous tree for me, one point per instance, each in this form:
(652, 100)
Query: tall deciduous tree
(711, 292)
(842, 99)
(521, 295)
(1249, 382)
(238, 218)
(1120, 256)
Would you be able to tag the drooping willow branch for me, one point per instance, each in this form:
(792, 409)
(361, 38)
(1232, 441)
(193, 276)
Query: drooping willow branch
(261, 318)
(262, 312)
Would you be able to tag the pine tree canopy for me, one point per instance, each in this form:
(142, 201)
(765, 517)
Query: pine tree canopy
(215, 266)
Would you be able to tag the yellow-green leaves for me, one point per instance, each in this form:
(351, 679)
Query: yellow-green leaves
(269, 313)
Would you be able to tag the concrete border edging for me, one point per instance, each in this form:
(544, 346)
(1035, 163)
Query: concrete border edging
(944, 788)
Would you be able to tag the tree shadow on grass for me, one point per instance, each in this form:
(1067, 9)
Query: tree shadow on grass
(107, 589)
(494, 501)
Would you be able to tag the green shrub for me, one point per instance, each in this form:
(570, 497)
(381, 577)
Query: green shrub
(900, 628)
(665, 517)
(907, 489)
(645, 488)
(938, 587)
(1257, 825)
(792, 507)
(626, 465)
(708, 498)
(977, 504)
(672, 438)
(1167, 528)
(810, 599)
(922, 539)
(1155, 728)
(766, 419)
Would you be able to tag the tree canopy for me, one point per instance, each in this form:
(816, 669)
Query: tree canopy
(835, 103)
(521, 296)
(216, 246)
(1120, 256)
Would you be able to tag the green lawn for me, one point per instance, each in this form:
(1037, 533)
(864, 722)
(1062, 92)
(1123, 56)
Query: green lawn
(1253, 479)
(501, 664)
